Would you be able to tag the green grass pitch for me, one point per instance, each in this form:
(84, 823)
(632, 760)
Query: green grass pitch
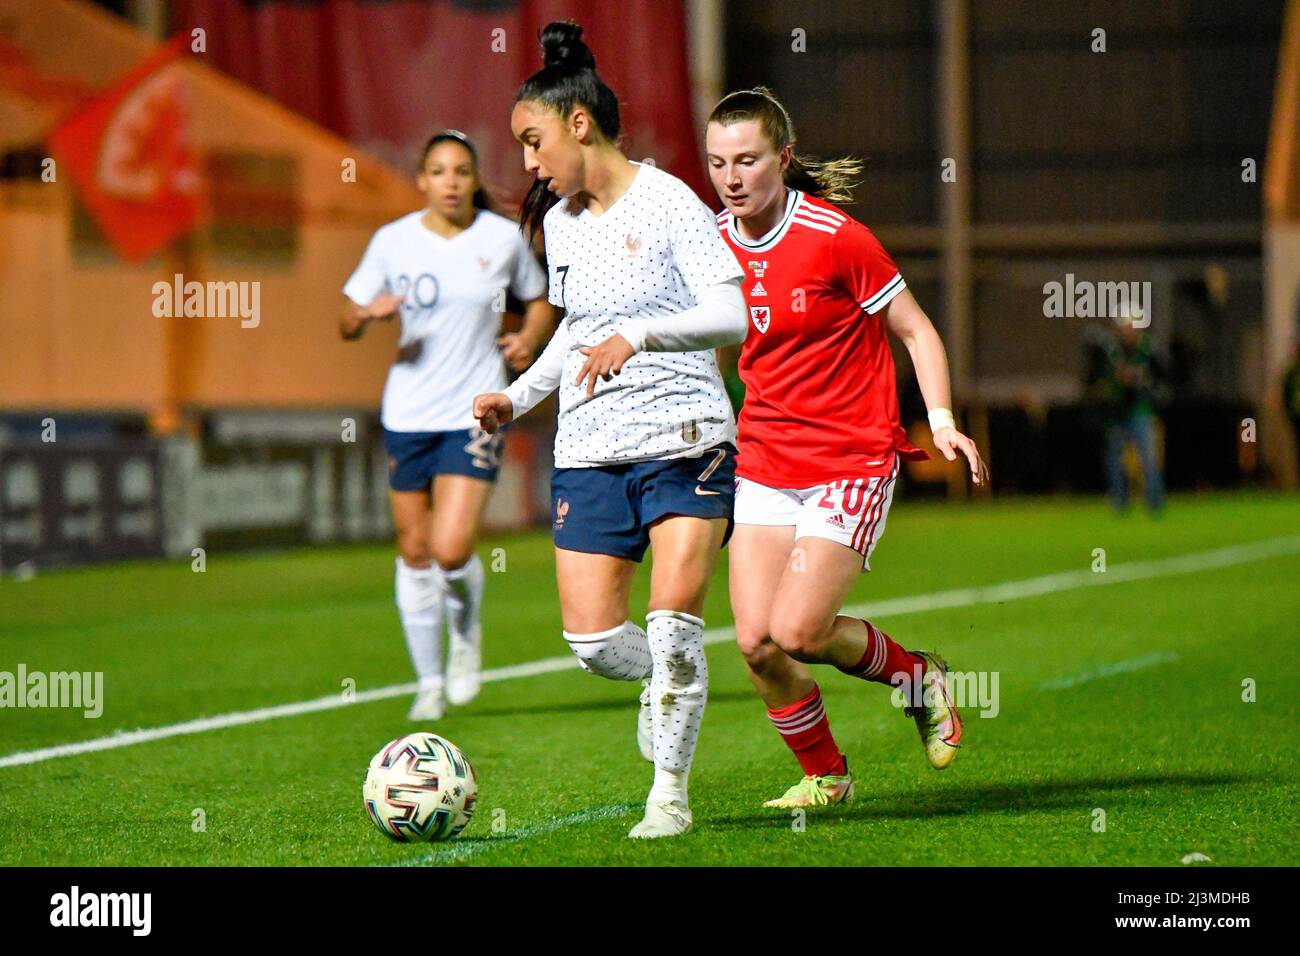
(1163, 743)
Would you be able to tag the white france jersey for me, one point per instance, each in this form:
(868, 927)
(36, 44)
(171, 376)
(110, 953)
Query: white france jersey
(650, 254)
(449, 326)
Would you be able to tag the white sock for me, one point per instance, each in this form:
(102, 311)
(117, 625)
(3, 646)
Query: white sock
(463, 594)
(679, 689)
(669, 787)
(621, 653)
(419, 602)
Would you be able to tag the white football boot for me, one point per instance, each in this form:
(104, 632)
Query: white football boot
(662, 820)
(465, 667)
(428, 704)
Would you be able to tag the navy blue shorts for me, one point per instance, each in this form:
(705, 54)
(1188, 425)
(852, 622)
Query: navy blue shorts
(414, 458)
(609, 509)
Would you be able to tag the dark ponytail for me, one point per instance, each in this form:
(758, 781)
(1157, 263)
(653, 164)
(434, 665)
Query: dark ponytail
(567, 79)
(481, 199)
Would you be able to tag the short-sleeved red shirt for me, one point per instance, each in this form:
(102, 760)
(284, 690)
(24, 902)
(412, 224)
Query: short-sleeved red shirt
(821, 401)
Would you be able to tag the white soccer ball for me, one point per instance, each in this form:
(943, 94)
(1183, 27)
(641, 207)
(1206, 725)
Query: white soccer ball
(420, 788)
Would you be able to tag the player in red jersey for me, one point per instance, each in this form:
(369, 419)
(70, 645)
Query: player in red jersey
(820, 437)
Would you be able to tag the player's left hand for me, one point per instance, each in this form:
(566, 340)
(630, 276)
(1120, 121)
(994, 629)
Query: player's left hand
(950, 441)
(517, 349)
(603, 361)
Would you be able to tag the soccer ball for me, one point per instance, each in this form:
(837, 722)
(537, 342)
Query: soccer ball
(420, 788)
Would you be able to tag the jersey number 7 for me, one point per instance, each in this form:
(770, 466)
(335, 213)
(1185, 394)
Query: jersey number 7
(564, 274)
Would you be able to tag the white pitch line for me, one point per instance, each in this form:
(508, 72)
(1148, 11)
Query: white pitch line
(455, 852)
(1072, 580)
(914, 604)
(1109, 670)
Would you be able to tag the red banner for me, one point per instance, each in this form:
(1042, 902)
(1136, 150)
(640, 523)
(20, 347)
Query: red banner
(125, 151)
(386, 74)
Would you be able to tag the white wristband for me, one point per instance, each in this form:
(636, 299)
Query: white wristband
(941, 418)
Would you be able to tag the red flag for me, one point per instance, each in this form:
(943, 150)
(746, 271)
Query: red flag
(126, 153)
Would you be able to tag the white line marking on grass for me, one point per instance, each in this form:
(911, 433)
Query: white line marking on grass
(455, 852)
(914, 604)
(1108, 670)
(1072, 580)
(127, 738)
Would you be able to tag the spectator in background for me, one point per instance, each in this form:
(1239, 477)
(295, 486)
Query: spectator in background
(1125, 382)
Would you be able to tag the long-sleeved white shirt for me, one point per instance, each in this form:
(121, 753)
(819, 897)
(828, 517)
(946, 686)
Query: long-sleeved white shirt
(653, 268)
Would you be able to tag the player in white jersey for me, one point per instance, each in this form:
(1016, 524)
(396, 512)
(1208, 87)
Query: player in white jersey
(645, 448)
(444, 271)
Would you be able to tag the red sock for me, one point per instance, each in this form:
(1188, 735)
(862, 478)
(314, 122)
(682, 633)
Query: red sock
(885, 660)
(806, 730)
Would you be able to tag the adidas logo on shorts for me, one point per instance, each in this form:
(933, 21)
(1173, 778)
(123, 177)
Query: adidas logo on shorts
(837, 521)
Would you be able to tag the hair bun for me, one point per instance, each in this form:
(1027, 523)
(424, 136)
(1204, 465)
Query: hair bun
(562, 46)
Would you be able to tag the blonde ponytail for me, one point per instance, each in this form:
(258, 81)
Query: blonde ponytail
(833, 179)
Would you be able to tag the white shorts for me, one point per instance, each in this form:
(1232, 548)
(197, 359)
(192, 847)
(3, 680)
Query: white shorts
(851, 511)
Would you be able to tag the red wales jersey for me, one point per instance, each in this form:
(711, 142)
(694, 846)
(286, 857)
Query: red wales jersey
(821, 402)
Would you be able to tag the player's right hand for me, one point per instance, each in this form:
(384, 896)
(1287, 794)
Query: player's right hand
(949, 441)
(493, 409)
